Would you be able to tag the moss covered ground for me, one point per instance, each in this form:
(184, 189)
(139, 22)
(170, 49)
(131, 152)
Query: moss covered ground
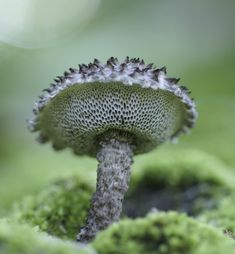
(162, 233)
(17, 238)
(194, 186)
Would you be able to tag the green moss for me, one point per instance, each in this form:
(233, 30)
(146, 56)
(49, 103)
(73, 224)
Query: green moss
(188, 181)
(223, 217)
(162, 233)
(184, 167)
(21, 238)
(60, 209)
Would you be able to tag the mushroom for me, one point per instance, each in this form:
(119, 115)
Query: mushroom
(112, 111)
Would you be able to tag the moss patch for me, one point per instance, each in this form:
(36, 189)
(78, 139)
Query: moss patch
(20, 238)
(223, 217)
(187, 181)
(60, 209)
(162, 233)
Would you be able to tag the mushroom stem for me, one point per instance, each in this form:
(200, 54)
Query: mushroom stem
(113, 174)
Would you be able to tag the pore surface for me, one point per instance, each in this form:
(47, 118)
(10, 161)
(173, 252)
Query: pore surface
(81, 114)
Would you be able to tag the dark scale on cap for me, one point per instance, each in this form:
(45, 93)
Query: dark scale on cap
(130, 99)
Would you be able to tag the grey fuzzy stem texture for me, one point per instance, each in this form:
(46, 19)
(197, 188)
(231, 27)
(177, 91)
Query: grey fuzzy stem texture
(113, 174)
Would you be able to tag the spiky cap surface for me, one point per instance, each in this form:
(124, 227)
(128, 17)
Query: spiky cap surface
(131, 100)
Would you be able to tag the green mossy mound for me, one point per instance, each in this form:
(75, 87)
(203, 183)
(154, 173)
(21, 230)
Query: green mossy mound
(21, 238)
(60, 209)
(186, 181)
(162, 233)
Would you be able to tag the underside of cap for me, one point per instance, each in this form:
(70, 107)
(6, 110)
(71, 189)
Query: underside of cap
(130, 100)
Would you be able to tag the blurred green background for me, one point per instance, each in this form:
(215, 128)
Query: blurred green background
(41, 39)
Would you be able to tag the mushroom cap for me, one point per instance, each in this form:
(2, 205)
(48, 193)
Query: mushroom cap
(130, 101)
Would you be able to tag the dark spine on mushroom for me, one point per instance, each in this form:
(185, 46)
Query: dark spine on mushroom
(115, 159)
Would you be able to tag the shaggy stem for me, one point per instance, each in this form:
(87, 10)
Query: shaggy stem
(115, 159)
